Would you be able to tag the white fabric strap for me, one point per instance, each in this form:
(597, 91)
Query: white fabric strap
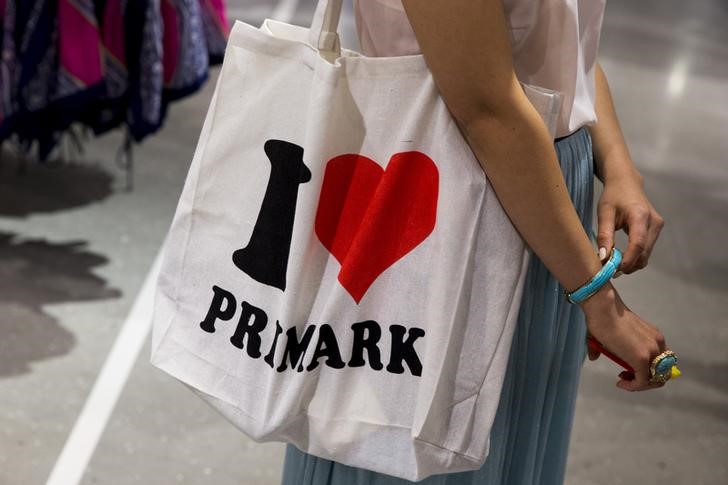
(323, 33)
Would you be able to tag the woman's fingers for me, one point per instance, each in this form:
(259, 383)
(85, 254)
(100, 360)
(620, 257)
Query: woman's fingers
(640, 379)
(638, 223)
(637, 381)
(627, 382)
(593, 354)
(643, 226)
(606, 220)
(628, 386)
(656, 225)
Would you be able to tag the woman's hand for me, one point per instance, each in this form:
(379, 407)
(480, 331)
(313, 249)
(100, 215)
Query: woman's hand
(624, 206)
(625, 334)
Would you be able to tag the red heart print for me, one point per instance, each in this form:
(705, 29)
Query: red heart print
(368, 218)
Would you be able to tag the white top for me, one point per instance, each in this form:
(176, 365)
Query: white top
(554, 45)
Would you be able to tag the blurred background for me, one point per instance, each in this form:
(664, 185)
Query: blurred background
(80, 232)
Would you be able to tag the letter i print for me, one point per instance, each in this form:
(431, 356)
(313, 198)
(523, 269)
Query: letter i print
(265, 258)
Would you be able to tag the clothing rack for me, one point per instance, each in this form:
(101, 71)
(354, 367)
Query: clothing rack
(102, 65)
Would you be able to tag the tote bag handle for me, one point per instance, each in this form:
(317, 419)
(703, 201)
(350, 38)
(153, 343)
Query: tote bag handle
(323, 33)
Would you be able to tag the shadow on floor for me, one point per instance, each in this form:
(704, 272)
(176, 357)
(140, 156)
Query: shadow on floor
(49, 187)
(34, 273)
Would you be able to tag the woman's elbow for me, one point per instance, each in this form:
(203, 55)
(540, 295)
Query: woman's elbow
(486, 108)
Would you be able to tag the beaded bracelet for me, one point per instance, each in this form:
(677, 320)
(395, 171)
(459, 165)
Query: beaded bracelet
(599, 280)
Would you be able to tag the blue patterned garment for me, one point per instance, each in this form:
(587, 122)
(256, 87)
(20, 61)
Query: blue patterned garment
(29, 57)
(189, 70)
(143, 28)
(530, 435)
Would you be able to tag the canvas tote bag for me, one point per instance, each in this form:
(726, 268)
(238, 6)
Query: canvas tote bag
(339, 274)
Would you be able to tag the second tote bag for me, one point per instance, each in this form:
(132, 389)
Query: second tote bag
(339, 273)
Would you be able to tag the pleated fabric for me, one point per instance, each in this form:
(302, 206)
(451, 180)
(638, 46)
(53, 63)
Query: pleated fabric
(530, 435)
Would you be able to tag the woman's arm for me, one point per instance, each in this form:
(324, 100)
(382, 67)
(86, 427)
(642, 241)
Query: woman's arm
(465, 44)
(623, 204)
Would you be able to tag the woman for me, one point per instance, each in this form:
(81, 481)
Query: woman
(546, 189)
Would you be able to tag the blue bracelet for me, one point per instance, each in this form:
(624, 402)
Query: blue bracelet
(599, 280)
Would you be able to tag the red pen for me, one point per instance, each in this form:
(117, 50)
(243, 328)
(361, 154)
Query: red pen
(598, 347)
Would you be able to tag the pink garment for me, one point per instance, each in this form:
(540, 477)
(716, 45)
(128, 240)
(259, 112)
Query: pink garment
(170, 40)
(113, 32)
(77, 27)
(554, 45)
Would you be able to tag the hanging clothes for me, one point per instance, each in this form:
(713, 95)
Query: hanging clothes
(111, 109)
(31, 59)
(186, 58)
(101, 63)
(143, 30)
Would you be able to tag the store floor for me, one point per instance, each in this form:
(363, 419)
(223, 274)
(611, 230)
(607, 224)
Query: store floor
(75, 249)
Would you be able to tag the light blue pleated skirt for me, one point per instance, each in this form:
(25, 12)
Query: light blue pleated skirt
(530, 435)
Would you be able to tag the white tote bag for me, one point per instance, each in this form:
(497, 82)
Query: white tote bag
(339, 274)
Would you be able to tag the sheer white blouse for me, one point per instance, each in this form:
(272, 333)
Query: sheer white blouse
(554, 45)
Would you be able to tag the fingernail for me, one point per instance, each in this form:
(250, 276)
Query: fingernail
(602, 253)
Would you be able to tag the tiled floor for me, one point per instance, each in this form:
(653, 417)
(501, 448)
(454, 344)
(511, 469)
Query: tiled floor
(75, 248)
